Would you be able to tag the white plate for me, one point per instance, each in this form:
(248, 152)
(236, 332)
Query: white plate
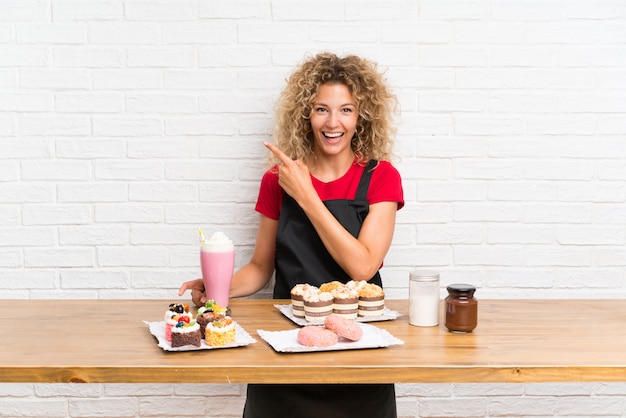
(287, 341)
(387, 315)
(158, 330)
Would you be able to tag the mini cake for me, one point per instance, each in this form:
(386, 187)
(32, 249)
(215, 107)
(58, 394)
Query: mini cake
(186, 333)
(371, 300)
(209, 313)
(330, 286)
(297, 299)
(345, 302)
(316, 336)
(356, 285)
(317, 305)
(343, 327)
(220, 332)
(172, 316)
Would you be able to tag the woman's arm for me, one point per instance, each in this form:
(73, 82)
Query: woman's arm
(359, 257)
(257, 273)
(253, 276)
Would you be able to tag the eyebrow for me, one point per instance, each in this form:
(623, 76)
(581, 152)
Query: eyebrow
(343, 105)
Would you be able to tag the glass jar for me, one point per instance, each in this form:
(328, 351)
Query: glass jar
(424, 298)
(461, 308)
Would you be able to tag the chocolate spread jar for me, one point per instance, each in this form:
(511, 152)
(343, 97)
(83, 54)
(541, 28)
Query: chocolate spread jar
(461, 308)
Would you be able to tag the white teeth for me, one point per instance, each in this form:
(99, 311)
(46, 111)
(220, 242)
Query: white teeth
(332, 135)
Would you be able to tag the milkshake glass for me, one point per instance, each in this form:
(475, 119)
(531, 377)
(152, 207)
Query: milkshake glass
(217, 260)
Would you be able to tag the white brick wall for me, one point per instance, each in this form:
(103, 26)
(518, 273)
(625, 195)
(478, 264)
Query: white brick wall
(127, 124)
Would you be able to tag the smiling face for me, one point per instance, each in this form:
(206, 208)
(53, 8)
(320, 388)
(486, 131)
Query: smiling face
(334, 120)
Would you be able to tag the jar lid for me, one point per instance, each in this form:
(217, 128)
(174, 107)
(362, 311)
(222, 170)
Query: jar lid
(424, 275)
(461, 287)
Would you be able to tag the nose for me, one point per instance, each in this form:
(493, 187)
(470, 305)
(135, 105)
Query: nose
(333, 119)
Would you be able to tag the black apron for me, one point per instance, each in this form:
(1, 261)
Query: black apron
(300, 254)
(302, 258)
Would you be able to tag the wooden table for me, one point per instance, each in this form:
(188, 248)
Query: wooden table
(100, 341)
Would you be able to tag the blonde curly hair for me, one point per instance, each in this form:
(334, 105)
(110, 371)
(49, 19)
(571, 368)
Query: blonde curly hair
(373, 138)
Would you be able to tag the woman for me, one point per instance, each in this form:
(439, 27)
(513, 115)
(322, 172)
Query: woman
(327, 212)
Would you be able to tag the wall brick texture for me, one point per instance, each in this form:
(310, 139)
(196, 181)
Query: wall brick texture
(127, 124)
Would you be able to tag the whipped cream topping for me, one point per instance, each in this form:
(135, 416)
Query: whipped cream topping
(217, 242)
(191, 327)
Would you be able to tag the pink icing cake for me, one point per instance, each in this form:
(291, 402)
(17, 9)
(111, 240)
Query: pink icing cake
(314, 336)
(344, 327)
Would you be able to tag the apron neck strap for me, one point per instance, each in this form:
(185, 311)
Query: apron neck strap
(364, 184)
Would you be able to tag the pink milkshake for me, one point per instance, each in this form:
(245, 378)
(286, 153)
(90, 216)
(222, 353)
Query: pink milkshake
(217, 259)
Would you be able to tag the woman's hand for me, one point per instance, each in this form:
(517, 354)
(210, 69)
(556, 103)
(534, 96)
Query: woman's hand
(197, 291)
(293, 175)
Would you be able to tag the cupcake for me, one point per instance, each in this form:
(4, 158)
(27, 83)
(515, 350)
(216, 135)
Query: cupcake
(220, 332)
(356, 285)
(317, 305)
(297, 299)
(330, 286)
(186, 333)
(345, 302)
(209, 313)
(371, 300)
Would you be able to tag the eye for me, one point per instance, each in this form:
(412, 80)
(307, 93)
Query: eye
(347, 110)
(320, 109)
